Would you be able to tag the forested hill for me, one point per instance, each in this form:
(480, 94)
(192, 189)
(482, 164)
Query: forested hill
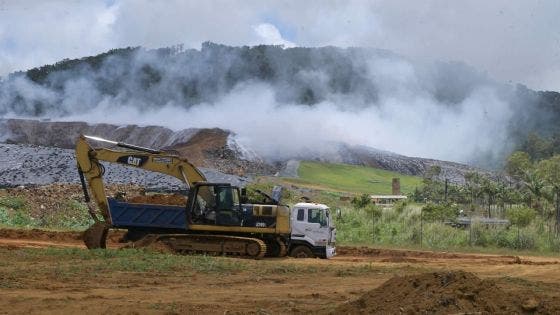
(188, 77)
(347, 80)
(535, 127)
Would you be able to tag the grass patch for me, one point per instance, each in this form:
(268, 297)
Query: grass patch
(134, 260)
(351, 178)
(74, 264)
(67, 214)
(13, 212)
(12, 202)
(70, 215)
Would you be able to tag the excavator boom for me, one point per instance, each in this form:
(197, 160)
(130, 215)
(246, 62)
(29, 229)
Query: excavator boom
(89, 165)
(91, 170)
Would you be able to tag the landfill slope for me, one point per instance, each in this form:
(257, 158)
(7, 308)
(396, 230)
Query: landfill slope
(23, 165)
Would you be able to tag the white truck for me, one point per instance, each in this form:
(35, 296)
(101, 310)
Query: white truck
(313, 232)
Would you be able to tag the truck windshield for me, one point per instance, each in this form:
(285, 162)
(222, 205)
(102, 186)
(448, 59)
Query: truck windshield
(317, 216)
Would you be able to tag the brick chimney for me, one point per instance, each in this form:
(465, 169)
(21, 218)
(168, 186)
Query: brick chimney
(396, 186)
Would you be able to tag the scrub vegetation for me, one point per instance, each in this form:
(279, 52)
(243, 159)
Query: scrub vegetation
(412, 225)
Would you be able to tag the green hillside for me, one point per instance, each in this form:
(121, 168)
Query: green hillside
(351, 178)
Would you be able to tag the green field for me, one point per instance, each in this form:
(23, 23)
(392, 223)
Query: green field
(351, 178)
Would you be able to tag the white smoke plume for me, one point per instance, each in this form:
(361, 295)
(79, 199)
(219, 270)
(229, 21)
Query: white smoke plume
(360, 97)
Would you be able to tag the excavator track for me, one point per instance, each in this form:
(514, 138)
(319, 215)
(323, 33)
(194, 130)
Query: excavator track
(207, 244)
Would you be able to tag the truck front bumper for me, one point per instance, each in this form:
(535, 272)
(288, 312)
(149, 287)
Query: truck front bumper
(331, 251)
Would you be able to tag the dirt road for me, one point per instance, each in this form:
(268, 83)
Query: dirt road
(35, 280)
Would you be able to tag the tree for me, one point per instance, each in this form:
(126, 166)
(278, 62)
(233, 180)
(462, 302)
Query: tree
(538, 148)
(489, 188)
(555, 139)
(502, 195)
(550, 171)
(518, 164)
(520, 167)
(520, 217)
(472, 183)
(439, 213)
(535, 184)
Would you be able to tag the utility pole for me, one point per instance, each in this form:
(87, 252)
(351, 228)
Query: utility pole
(373, 227)
(446, 183)
(421, 225)
(557, 212)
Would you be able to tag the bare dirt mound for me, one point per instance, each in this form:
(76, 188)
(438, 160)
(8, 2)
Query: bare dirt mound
(446, 293)
(160, 199)
(214, 148)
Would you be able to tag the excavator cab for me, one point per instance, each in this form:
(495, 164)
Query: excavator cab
(216, 204)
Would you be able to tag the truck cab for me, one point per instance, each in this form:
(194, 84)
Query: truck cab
(313, 233)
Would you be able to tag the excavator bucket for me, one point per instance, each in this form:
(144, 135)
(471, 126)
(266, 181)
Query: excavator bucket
(96, 235)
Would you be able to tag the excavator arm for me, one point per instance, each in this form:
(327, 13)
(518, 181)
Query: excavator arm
(90, 169)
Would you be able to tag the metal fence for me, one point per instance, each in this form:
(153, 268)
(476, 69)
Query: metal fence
(412, 229)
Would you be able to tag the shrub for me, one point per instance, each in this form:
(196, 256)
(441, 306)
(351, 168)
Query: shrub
(514, 239)
(521, 217)
(361, 201)
(439, 212)
(400, 205)
(437, 235)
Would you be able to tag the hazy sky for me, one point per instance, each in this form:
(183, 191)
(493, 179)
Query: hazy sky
(513, 41)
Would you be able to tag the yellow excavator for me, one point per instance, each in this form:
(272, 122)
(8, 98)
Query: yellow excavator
(215, 217)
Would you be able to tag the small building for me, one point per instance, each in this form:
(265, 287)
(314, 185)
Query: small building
(386, 200)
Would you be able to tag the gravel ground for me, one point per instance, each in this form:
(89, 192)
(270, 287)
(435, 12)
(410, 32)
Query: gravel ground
(36, 165)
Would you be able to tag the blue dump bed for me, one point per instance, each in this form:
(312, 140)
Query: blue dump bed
(126, 215)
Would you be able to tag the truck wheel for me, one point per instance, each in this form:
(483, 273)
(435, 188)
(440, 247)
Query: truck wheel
(301, 251)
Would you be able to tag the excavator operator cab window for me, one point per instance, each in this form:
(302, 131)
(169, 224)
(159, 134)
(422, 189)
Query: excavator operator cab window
(217, 204)
(224, 198)
(205, 199)
(236, 199)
